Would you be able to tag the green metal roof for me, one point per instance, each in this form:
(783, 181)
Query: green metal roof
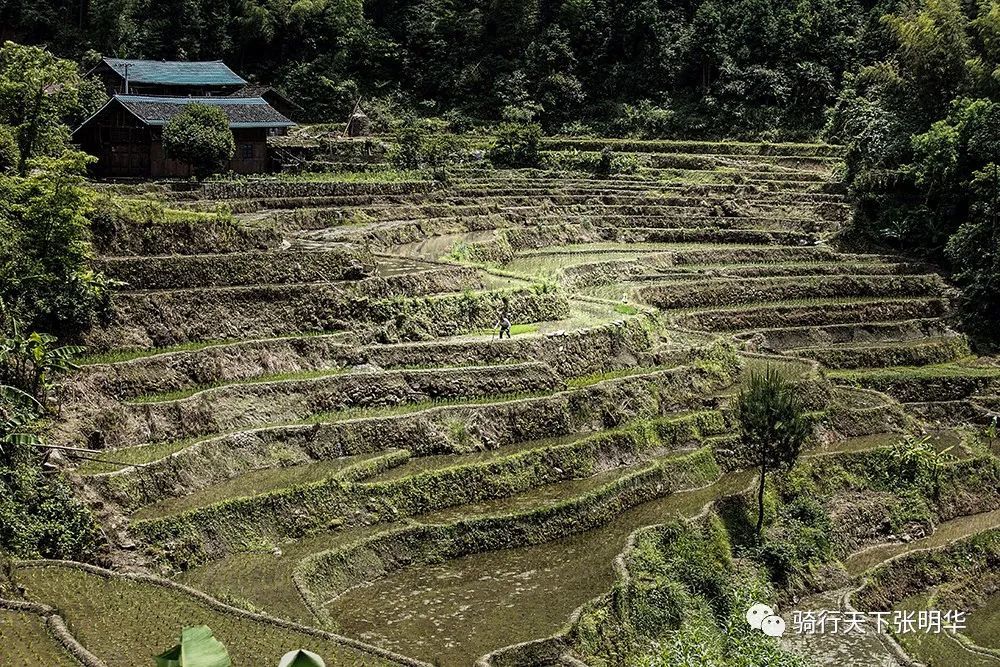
(176, 73)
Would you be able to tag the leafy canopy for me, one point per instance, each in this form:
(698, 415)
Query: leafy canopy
(772, 420)
(37, 92)
(200, 136)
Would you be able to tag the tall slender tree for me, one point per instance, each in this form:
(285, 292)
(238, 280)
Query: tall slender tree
(774, 427)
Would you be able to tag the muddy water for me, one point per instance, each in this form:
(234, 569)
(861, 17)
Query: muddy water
(388, 267)
(253, 483)
(938, 649)
(984, 623)
(835, 650)
(943, 534)
(458, 610)
(436, 247)
(262, 579)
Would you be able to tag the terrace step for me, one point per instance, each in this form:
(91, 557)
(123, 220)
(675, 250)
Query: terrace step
(957, 412)
(523, 209)
(884, 354)
(269, 480)
(824, 166)
(668, 146)
(693, 197)
(165, 272)
(147, 320)
(705, 235)
(646, 176)
(842, 266)
(266, 579)
(424, 428)
(936, 382)
(797, 225)
(817, 312)
(379, 500)
(545, 579)
(675, 431)
(808, 190)
(790, 338)
(944, 533)
(118, 616)
(722, 292)
(265, 401)
(579, 345)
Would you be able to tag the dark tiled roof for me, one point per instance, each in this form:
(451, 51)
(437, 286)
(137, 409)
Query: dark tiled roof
(257, 90)
(241, 111)
(177, 73)
(252, 90)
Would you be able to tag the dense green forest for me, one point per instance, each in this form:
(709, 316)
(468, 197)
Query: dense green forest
(655, 67)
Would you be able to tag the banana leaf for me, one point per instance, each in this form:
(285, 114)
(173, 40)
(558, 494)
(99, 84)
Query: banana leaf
(198, 648)
(301, 658)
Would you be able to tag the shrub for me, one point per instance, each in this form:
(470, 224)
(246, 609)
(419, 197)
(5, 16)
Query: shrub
(516, 145)
(200, 137)
(608, 163)
(38, 515)
(799, 539)
(416, 148)
(409, 142)
(39, 93)
(45, 245)
(643, 121)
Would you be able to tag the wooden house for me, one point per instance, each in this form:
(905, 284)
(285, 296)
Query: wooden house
(126, 134)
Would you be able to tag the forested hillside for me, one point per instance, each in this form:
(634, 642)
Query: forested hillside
(656, 67)
(907, 86)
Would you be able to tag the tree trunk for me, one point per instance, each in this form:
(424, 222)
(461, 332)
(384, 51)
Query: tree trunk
(760, 502)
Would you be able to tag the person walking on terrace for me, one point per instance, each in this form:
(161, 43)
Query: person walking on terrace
(503, 323)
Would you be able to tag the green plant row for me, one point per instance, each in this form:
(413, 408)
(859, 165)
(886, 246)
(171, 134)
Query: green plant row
(694, 147)
(234, 269)
(300, 510)
(327, 574)
(251, 404)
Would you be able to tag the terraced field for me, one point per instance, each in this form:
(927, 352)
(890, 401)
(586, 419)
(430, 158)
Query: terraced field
(303, 413)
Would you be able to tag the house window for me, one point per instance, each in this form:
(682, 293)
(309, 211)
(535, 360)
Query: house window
(247, 151)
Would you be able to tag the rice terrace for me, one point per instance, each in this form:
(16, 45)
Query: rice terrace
(416, 380)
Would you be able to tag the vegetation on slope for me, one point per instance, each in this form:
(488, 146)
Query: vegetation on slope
(45, 285)
(922, 127)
